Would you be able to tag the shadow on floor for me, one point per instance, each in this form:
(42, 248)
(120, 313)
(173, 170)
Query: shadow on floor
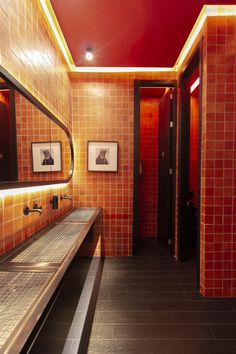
(52, 336)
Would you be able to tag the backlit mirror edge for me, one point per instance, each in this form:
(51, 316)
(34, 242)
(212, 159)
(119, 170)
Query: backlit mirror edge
(29, 96)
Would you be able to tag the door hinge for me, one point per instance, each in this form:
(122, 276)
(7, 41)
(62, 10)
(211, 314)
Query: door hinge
(169, 241)
(171, 96)
(171, 124)
(170, 171)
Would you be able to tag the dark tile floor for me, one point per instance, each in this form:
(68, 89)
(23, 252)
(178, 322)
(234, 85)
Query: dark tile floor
(149, 304)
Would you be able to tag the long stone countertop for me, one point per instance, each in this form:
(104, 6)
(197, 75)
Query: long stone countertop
(30, 274)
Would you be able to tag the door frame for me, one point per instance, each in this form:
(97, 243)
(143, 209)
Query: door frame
(184, 146)
(137, 85)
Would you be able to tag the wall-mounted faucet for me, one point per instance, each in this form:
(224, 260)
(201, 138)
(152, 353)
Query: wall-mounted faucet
(65, 197)
(36, 209)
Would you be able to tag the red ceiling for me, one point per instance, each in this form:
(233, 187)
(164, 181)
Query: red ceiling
(141, 33)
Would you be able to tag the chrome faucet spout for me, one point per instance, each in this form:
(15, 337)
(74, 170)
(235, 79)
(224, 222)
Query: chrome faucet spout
(35, 209)
(68, 197)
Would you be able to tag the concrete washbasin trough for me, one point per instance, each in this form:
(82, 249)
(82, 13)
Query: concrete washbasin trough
(18, 292)
(52, 247)
(80, 215)
(30, 274)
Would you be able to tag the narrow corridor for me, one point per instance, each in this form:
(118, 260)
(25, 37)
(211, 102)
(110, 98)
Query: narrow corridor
(149, 304)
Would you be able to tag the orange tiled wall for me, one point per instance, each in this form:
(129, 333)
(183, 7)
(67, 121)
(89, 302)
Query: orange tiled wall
(149, 156)
(16, 227)
(29, 53)
(103, 110)
(218, 222)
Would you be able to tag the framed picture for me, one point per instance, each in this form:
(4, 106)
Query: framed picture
(103, 156)
(46, 156)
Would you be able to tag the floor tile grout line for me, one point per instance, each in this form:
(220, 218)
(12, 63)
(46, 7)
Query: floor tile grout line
(163, 339)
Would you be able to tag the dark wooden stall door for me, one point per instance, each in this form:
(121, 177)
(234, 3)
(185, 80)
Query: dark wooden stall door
(165, 169)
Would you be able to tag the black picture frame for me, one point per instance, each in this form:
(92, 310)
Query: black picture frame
(102, 156)
(46, 156)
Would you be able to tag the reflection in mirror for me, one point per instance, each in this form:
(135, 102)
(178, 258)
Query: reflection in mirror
(43, 149)
(8, 161)
(57, 134)
(33, 147)
(32, 126)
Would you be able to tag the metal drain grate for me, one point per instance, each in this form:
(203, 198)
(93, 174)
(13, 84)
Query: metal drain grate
(17, 293)
(52, 247)
(80, 215)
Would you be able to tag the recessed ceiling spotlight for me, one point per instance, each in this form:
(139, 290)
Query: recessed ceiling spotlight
(89, 54)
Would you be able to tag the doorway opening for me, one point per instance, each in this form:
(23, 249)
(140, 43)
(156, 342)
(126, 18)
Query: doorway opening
(190, 163)
(154, 161)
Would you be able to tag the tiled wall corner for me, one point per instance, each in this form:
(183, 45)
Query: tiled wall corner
(218, 242)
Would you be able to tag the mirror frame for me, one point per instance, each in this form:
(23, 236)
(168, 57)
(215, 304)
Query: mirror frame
(22, 90)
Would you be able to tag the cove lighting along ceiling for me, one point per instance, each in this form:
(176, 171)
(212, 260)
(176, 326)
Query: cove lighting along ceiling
(207, 10)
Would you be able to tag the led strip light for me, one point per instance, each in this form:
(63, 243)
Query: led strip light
(17, 191)
(111, 69)
(52, 20)
(207, 11)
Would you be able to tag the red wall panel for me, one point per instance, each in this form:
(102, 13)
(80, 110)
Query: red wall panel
(149, 157)
(194, 147)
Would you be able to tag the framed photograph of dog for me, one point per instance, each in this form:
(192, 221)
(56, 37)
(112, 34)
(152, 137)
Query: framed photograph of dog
(46, 156)
(103, 156)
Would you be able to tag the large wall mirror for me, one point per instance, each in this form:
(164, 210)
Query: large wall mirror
(35, 147)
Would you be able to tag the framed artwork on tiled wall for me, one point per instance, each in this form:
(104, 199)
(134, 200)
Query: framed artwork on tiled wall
(46, 156)
(103, 156)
